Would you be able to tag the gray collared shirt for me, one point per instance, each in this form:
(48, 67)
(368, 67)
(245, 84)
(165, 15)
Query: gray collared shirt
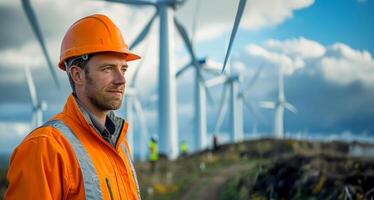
(107, 132)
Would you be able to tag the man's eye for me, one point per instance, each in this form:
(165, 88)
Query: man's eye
(107, 68)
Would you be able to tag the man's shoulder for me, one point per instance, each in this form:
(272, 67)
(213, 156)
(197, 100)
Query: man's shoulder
(46, 133)
(41, 132)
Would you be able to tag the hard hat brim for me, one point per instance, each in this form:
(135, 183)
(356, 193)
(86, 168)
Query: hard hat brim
(128, 55)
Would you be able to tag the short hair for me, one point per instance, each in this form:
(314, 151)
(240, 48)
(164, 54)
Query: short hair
(79, 61)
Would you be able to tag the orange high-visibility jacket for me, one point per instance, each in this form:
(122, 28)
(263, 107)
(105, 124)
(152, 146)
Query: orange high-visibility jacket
(46, 166)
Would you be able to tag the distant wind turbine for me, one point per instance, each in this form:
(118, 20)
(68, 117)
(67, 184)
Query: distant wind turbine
(133, 106)
(37, 106)
(236, 101)
(279, 106)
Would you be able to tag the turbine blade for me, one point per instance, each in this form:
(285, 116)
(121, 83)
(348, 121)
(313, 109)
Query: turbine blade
(144, 32)
(134, 78)
(211, 64)
(35, 27)
(267, 104)
(253, 109)
(247, 89)
(194, 22)
(216, 81)
(183, 69)
(207, 92)
(182, 31)
(291, 108)
(142, 120)
(238, 17)
(31, 86)
(140, 64)
(222, 110)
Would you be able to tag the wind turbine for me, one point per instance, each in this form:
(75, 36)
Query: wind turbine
(279, 106)
(133, 106)
(35, 27)
(244, 99)
(200, 89)
(167, 94)
(200, 93)
(236, 100)
(37, 106)
(167, 119)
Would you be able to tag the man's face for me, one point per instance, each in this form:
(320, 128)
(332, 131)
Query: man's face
(105, 81)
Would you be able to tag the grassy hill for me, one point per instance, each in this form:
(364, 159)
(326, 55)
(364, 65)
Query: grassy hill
(262, 169)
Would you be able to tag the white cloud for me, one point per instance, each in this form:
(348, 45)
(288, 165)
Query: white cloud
(338, 63)
(288, 64)
(268, 13)
(131, 20)
(344, 65)
(9, 3)
(12, 134)
(299, 47)
(28, 54)
(216, 17)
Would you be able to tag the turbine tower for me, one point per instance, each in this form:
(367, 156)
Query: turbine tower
(235, 112)
(200, 93)
(279, 106)
(37, 106)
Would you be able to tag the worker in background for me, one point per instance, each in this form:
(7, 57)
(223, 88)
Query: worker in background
(215, 143)
(183, 148)
(82, 152)
(153, 152)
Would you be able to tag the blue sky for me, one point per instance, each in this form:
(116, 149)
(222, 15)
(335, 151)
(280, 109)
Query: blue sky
(326, 48)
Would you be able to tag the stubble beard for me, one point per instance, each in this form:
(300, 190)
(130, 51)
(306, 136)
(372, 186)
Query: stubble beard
(100, 99)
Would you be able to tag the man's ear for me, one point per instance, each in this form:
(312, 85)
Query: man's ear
(77, 75)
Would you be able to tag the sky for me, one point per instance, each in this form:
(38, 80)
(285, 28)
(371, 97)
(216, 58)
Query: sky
(325, 49)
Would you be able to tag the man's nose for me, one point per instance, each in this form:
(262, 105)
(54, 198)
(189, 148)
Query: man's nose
(119, 77)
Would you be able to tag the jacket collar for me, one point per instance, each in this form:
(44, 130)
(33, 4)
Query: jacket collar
(75, 110)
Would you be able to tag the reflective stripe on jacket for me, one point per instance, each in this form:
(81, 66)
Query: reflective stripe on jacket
(67, 159)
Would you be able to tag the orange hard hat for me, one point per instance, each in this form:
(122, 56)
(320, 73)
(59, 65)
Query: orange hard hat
(93, 34)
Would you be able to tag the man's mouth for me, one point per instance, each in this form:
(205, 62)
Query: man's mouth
(116, 92)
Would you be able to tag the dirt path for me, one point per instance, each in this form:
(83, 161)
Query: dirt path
(209, 186)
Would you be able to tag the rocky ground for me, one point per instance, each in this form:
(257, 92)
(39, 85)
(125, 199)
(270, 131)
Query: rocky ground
(305, 170)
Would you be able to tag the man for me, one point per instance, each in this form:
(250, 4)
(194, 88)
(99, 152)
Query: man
(183, 148)
(82, 153)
